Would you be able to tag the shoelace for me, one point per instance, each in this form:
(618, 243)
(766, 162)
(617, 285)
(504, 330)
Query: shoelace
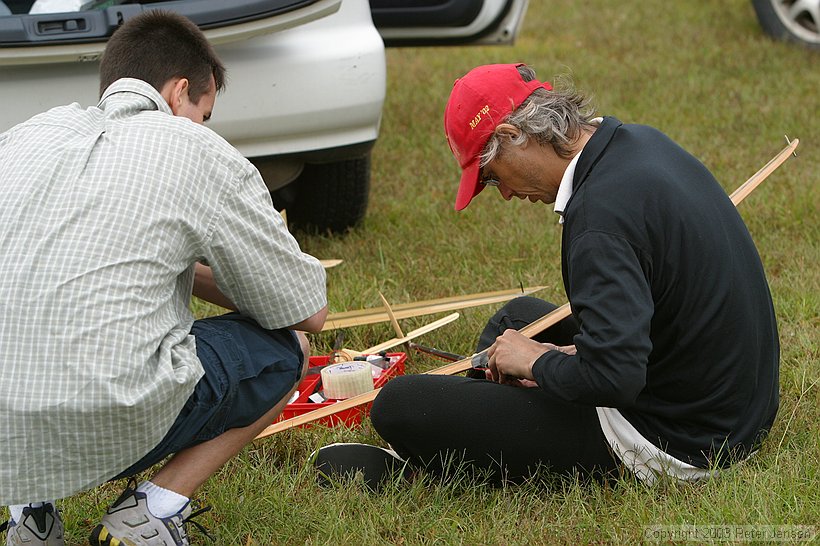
(199, 526)
(131, 486)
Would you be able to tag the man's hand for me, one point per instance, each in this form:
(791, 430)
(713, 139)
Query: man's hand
(512, 356)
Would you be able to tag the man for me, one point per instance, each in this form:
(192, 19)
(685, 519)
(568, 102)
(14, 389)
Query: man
(669, 364)
(111, 217)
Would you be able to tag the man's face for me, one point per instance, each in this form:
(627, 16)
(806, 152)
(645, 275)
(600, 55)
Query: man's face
(198, 112)
(529, 172)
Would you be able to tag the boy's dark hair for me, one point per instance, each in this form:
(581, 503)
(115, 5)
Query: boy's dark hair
(157, 46)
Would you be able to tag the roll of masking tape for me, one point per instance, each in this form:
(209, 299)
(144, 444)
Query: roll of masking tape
(347, 379)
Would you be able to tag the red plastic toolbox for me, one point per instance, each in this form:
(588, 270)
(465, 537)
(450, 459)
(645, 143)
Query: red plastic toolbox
(312, 383)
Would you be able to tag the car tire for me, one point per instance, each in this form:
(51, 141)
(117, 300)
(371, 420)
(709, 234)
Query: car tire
(780, 20)
(327, 197)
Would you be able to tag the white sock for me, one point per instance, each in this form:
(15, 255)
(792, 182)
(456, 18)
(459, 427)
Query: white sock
(16, 510)
(162, 502)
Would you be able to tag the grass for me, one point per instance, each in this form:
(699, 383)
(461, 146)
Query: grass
(701, 71)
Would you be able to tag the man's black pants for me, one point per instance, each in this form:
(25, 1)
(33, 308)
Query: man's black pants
(501, 431)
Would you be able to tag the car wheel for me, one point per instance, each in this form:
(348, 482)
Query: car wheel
(790, 20)
(327, 196)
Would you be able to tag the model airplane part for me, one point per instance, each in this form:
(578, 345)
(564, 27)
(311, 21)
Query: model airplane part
(748, 187)
(391, 316)
(480, 359)
(342, 355)
(411, 335)
(360, 317)
(530, 330)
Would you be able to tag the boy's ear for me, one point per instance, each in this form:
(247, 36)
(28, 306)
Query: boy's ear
(175, 93)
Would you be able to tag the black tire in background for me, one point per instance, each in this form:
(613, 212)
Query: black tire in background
(790, 20)
(327, 197)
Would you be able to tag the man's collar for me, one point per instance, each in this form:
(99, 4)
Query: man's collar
(565, 188)
(133, 85)
(595, 146)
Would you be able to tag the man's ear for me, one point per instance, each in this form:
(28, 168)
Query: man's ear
(507, 131)
(175, 93)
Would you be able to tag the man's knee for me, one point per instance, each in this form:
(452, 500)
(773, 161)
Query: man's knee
(524, 309)
(393, 408)
(383, 410)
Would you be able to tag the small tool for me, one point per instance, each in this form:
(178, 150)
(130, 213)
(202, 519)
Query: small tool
(438, 353)
(478, 360)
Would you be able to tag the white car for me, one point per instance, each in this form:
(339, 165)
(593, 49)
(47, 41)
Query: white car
(306, 78)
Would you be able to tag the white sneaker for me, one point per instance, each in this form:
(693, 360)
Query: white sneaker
(128, 522)
(40, 526)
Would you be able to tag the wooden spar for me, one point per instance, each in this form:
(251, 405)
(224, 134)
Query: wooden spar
(530, 330)
(428, 307)
(318, 413)
(411, 335)
(349, 354)
(757, 178)
(391, 316)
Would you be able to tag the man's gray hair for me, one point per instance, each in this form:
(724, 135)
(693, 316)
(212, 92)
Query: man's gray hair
(556, 117)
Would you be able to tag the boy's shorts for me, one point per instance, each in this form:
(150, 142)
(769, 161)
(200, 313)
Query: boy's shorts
(248, 370)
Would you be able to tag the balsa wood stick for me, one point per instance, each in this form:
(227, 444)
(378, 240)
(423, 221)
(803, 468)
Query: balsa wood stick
(349, 354)
(392, 316)
(748, 187)
(413, 334)
(530, 330)
(406, 310)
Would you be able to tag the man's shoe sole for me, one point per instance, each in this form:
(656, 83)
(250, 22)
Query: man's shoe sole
(375, 464)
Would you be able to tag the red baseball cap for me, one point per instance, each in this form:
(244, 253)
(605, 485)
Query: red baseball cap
(479, 102)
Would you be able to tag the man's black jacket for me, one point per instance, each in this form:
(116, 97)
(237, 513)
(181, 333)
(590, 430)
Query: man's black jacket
(677, 325)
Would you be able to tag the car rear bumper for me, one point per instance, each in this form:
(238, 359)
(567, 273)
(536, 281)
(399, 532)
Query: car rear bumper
(317, 86)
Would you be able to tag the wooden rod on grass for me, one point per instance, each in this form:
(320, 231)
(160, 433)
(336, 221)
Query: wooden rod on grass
(360, 317)
(757, 178)
(530, 330)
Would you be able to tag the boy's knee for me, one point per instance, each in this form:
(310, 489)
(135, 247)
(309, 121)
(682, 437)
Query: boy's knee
(304, 345)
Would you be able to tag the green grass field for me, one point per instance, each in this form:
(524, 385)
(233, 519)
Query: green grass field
(701, 71)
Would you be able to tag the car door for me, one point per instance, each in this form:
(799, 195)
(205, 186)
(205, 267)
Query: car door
(447, 22)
